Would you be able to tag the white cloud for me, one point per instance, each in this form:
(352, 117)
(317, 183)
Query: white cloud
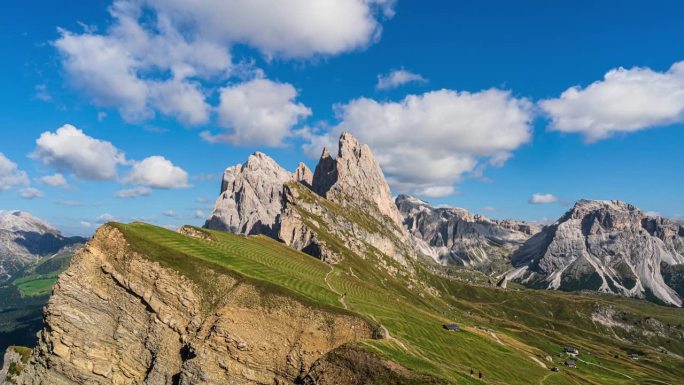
(427, 143)
(489, 209)
(163, 56)
(398, 78)
(182, 100)
(133, 192)
(31, 193)
(292, 28)
(169, 213)
(435, 191)
(69, 203)
(121, 68)
(537, 199)
(10, 175)
(106, 217)
(69, 149)
(42, 93)
(652, 214)
(199, 214)
(260, 111)
(56, 180)
(86, 224)
(626, 100)
(157, 172)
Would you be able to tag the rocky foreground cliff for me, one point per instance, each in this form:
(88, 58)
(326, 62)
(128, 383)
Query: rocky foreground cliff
(117, 317)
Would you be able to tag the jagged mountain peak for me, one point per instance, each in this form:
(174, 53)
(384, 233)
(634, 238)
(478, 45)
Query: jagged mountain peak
(260, 197)
(452, 235)
(303, 175)
(250, 198)
(355, 174)
(608, 246)
(24, 221)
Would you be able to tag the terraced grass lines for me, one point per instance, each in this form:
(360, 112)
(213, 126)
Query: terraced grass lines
(528, 323)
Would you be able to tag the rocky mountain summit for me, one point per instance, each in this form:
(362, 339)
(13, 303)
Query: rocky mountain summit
(606, 246)
(24, 239)
(251, 197)
(344, 204)
(455, 236)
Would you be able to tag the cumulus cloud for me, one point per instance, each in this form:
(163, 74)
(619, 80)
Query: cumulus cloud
(86, 224)
(169, 213)
(164, 56)
(260, 111)
(398, 78)
(69, 149)
(106, 217)
(69, 203)
(55, 180)
(31, 193)
(292, 28)
(626, 100)
(538, 199)
(10, 174)
(157, 172)
(133, 192)
(427, 143)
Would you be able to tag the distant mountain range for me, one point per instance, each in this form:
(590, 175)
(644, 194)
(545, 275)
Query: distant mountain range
(603, 246)
(387, 299)
(24, 239)
(606, 246)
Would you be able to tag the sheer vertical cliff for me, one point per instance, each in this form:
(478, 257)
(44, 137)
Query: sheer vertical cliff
(118, 317)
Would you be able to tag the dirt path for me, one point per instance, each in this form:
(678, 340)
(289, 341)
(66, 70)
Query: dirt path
(604, 368)
(340, 296)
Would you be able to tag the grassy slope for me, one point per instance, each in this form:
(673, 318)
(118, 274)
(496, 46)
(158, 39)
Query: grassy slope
(528, 323)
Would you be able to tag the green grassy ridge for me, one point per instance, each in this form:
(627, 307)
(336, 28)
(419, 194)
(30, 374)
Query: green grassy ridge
(193, 258)
(416, 320)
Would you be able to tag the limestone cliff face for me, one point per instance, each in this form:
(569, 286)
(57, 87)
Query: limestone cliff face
(607, 246)
(456, 236)
(250, 198)
(354, 175)
(303, 175)
(346, 203)
(116, 317)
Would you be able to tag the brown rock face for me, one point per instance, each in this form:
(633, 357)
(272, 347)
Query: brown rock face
(351, 365)
(118, 318)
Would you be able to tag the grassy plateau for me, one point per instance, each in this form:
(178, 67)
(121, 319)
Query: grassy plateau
(513, 337)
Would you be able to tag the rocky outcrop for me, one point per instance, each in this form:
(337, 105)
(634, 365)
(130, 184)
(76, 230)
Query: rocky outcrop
(352, 365)
(344, 205)
(303, 175)
(605, 246)
(25, 239)
(354, 176)
(455, 236)
(251, 197)
(117, 317)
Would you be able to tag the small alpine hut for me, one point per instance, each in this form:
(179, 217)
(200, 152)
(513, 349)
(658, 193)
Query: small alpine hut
(451, 327)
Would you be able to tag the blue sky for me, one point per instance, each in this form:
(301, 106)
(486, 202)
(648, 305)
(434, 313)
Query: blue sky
(315, 72)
